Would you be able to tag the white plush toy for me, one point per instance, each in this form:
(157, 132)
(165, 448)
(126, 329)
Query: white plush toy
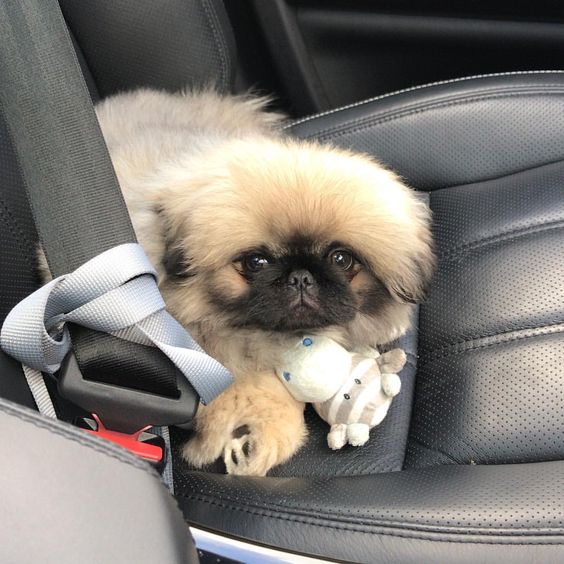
(351, 391)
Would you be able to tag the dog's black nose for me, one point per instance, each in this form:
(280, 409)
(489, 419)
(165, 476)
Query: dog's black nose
(301, 279)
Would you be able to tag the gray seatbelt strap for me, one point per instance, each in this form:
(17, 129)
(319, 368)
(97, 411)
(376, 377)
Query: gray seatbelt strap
(115, 292)
(39, 392)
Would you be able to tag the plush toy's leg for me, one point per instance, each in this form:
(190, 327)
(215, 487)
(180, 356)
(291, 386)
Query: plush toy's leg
(337, 437)
(357, 433)
(391, 384)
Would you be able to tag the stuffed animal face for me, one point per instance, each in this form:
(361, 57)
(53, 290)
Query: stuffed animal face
(362, 398)
(351, 391)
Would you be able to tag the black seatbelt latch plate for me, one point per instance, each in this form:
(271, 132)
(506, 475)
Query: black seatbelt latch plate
(123, 409)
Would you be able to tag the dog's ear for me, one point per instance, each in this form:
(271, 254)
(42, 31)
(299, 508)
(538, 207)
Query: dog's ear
(411, 285)
(174, 260)
(175, 263)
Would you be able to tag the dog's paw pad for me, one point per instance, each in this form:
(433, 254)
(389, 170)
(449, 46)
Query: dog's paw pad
(241, 431)
(238, 450)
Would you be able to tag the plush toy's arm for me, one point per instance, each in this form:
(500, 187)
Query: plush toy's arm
(392, 362)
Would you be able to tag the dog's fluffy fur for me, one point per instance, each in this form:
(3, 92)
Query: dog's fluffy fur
(208, 180)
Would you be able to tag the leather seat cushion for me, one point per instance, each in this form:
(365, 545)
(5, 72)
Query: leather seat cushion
(507, 513)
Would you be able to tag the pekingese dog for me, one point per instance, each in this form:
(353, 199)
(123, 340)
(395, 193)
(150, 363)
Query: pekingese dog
(257, 236)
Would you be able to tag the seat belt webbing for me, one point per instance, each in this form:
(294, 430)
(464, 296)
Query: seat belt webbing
(69, 179)
(71, 186)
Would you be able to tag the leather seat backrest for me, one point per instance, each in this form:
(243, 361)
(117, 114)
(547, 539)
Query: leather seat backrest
(169, 45)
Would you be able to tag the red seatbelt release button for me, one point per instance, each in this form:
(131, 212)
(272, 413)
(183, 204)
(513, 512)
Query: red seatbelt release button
(145, 445)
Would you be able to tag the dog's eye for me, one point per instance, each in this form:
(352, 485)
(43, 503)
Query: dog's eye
(342, 259)
(254, 262)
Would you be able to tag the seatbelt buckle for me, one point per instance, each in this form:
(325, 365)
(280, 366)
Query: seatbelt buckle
(147, 446)
(123, 409)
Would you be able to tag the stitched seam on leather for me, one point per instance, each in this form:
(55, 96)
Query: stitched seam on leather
(497, 339)
(433, 449)
(511, 235)
(294, 517)
(217, 39)
(420, 87)
(501, 176)
(87, 441)
(358, 125)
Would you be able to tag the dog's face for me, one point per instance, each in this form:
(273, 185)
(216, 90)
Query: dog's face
(294, 237)
(303, 284)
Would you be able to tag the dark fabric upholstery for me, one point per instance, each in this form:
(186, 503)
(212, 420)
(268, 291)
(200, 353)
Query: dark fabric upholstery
(18, 276)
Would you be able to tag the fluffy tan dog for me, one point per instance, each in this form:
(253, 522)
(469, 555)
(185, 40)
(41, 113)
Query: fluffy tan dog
(256, 236)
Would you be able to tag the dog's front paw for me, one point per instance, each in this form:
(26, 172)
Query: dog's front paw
(254, 450)
(203, 449)
(250, 452)
(254, 425)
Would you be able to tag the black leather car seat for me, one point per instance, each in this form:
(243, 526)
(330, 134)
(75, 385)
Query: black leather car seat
(469, 464)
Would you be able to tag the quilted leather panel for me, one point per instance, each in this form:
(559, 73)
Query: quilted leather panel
(508, 282)
(491, 404)
(490, 380)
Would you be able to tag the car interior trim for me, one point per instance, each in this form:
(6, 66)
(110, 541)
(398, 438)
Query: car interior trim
(241, 551)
